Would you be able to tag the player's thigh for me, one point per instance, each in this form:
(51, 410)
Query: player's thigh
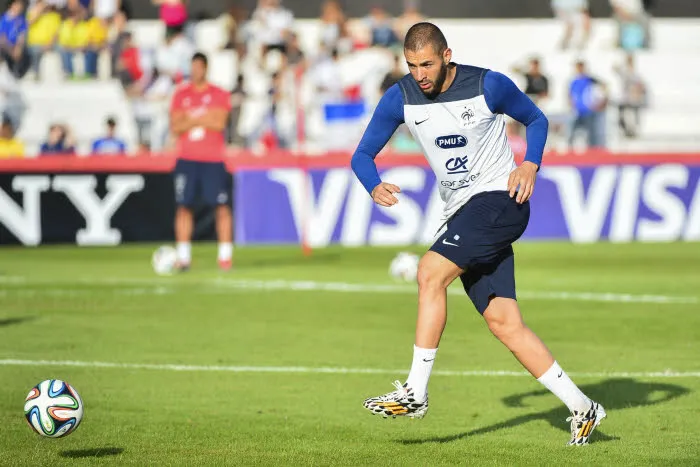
(216, 190)
(186, 181)
(484, 282)
(481, 230)
(437, 270)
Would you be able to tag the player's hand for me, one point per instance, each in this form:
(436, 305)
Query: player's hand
(383, 194)
(522, 180)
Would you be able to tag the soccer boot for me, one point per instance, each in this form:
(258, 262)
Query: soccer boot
(401, 402)
(583, 424)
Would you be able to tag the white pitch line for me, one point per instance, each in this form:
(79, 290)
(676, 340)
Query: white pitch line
(329, 370)
(160, 287)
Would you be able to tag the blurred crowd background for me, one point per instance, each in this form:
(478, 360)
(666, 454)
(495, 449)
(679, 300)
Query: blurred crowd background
(95, 77)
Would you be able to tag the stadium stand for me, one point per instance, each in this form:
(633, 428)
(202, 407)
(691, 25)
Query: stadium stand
(671, 123)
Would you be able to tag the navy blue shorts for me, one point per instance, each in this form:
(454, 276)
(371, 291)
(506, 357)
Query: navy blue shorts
(479, 239)
(207, 183)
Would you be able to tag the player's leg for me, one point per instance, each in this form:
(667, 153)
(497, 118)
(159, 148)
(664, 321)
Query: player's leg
(505, 321)
(435, 274)
(185, 193)
(217, 192)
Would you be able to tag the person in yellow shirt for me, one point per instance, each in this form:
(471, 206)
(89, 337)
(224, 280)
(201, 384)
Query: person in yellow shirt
(44, 22)
(10, 147)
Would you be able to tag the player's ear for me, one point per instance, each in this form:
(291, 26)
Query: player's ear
(447, 56)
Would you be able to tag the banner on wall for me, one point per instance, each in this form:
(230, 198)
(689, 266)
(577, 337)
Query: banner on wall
(89, 208)
(582, 204)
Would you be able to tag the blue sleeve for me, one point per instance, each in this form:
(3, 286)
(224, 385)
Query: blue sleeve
(386, 119)
(122, 147)
(96, 145)
(503, 96)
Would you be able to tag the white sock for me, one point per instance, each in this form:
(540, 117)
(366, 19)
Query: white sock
(184, 252)
(225, 251)
(561, 386)
(423, 360)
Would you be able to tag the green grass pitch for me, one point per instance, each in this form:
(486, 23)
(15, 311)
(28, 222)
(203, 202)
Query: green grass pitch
(233, 363)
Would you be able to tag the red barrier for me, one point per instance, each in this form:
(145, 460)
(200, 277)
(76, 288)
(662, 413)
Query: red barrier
(240, 160)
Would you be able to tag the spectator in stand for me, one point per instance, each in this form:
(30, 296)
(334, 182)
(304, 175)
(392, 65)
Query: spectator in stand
(72, 37)
(393, 76)
(632, 23)
(119, 40)
(334, 28)
(238, 96)
(12, 103)
(173, 58)
(588, 99)
(10, 147)
(536, 84)
(130, 69)
(109, 144)
(150, 99)
(381, 27)
(173, 13)
(275, 24)
(44, 23)
(295, 56)
(237, 30)
(13, 36)
(97, 32)
(410, 16)
(573, 13)
(59, 141)
(106, 10)
(634, 97)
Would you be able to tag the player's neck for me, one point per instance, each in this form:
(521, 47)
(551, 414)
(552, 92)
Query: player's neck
(200, 86)
(449, 79)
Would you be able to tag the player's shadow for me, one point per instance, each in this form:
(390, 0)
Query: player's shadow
(614, 394)
(97, 452)
(15, 320)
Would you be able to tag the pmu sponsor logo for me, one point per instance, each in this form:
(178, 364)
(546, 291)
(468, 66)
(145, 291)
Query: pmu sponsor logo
(450, 141)
(457, 165)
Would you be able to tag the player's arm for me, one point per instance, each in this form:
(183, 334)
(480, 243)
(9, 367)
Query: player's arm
(213, 119)
(503, 96)
(386, 119)
(180, 121)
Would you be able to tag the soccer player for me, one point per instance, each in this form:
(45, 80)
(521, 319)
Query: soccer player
(456, 113)
(198, 116)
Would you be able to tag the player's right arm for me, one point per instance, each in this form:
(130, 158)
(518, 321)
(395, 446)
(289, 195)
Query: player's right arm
(386, 119)
(180, 122)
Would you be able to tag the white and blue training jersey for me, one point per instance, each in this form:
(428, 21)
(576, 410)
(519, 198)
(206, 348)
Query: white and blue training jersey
(461, 132)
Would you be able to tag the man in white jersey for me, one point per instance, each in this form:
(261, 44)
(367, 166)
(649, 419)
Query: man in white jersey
(456, 113)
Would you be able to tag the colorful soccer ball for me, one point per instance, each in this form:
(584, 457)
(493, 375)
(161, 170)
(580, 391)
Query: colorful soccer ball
(404, 267)
(53, 408)
(164, 260)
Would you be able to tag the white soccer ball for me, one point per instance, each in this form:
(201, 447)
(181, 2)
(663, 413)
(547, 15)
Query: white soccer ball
(164, 260)
(404, 267)
(53, 408)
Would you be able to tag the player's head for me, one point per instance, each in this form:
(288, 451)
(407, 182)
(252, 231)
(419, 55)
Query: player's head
(427, 56)
(199, 68)
(580, 67)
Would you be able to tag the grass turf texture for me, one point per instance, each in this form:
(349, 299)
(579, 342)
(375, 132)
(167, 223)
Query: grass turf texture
(64, 303)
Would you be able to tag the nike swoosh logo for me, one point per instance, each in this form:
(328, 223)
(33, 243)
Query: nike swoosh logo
(426, 360)
(560, 373)
(445, 242)
(418, 123)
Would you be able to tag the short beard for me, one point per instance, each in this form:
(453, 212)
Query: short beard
(439, 81)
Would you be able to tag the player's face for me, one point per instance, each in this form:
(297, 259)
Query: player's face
(428, 68)
(199, 71)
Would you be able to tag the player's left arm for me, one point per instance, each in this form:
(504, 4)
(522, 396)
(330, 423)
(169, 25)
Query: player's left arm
(216, 117)
(503, 96)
